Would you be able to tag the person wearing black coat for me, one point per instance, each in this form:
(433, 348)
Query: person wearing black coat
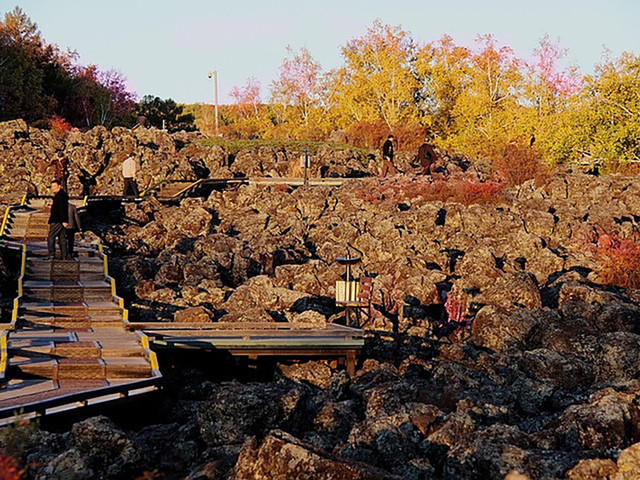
(387, 158)
(426, 157)
(58, 221)
(75, 225)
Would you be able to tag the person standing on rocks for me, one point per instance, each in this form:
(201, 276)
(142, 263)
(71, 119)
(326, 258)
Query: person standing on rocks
(387, 158)
(74, 226)
(426, 157)
(129, 167)
(58, 221)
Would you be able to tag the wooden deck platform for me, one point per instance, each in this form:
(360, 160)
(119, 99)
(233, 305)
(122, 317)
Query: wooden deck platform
(254, 340)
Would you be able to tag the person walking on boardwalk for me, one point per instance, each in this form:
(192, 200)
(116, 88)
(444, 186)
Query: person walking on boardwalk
(426, 157)
(387, 158)
(129, 167)
(58, 221)
(74, 226)
(62, 170)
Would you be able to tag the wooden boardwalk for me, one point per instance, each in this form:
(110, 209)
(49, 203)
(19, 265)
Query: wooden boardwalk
(65, 346)
(174, 189)
(70, 342)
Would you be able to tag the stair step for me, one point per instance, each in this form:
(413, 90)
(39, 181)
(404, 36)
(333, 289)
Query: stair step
(57, 322)
(29, 367)
(85, 384)
(81, 368)
(107, 324)
(134, 351)
(128, 367)
(77, 350)
(34, 351)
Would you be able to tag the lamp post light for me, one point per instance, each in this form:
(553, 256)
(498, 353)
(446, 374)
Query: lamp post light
(214, 74)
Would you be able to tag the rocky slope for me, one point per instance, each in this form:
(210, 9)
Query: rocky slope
(543, 384)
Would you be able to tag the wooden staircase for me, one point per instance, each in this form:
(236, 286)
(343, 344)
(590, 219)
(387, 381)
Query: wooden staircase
(67, 338)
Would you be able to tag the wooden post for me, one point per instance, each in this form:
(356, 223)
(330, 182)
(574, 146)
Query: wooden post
(351, 363)
(252, 368)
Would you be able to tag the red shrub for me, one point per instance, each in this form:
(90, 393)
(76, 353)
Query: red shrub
(372, 135)
(618, 259)
(455, 308)
(59, 126)
(518, 162)
(457, 322)
(9, 468)
(401, 189)
(367, 134)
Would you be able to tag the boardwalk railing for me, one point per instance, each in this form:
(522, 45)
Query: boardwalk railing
(4, 357)
(77, 399)
(16, 301)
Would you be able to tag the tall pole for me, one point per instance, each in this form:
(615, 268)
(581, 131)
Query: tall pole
(215, 89)
(214, 74)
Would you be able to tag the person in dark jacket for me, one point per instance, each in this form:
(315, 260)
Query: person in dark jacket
(74, 226)
(426, 157)
(58, 221)
(387, 158)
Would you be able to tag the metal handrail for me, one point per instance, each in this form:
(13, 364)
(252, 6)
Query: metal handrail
(16, 300)
(7, 212)
(5, 219)
(187, 188)
(152, 187)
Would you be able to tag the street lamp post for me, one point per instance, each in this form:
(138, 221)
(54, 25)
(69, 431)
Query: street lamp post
(214, 74)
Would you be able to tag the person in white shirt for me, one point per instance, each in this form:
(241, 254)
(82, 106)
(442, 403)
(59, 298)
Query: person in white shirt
(129, 167)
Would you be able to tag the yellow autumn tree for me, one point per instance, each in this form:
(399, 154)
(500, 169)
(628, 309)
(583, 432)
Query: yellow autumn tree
(443, 71)
(612, 97)
(297, 97)
(486, 109)
(377, 80)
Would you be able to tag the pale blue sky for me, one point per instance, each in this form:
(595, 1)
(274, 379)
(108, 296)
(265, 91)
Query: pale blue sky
(165, 47)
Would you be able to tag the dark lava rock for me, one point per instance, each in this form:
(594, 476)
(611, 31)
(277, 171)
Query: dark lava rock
(281, 455)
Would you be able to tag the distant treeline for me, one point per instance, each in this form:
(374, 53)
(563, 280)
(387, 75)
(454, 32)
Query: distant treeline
(474, 101)
(38, 81)
(47, 87)
(471, 100)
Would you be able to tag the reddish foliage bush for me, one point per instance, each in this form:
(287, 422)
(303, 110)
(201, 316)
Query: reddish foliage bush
(618, 259)
(390, 295)
(621, 167)
(401, 189)
(516, 163)
(59, 126)
(372, 135)
(9, 468)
